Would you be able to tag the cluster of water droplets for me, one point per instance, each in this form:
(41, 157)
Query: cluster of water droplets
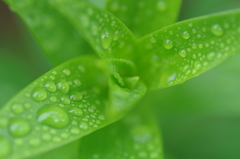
(191, 48)
(107, 34)
(56, 107)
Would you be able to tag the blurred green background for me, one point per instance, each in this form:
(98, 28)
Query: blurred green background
(199, 119)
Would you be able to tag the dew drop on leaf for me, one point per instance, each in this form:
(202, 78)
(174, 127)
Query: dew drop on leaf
(4, 147)
(34, 142)
(19, 127)
(50, 86)
(116, 35)
(75, 130)
(83, 125)
(106, 39)
(211, 56)
(67, 72)
(53, 116)
(76, 111)
(77, 82)
(185, 35)
(53, 99)
(197, 65)
(46, 136)
(65, 100)
(63, 86)
(76, 96)
(39, 94)
(168, 44)
(17, 108)
(217, 30)
(183, 53)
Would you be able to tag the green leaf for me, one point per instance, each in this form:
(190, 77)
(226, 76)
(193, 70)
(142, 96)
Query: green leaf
(57, 37)
(63, 105)
(108, 36)
(186, 49)
(143, 17)
(99, 3)
(135, 136)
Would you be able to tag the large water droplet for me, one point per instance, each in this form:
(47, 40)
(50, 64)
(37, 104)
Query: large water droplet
(106, 39)
(197, 65)
(53, 116)
(17, 108)
(19, 127)
(67, 72)
(4, 147)
(76, 111)
(77, 82)
(75, 96)
(217, 30)
(183, 53)
(211, 56)
(168, 44)
(83, 125)
(39, 94)
(50, 86)
(185, 35)
(162, 6)
(63, 86)
(65, 100)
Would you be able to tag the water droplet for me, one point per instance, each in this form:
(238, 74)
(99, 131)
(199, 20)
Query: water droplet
(66, 72)
(168, 44)
(161, 6)
(39, 94)
(17, 108)
(75, 130)
(53, 115)
(63, 86)
(185, 35)
(194, 45)
(46, 136)
(50, 86)
(4, 147)
(83, 125)
(197, 65)
(19, 127)
(77, 82)
(183, 53)
(153, 40)
(65, 100)
(101, 117)
(211, 56)
(106, 39)
(53, 99)
(116, 35)
(75, 96)
(76, 111)
(34, 141)
(217, 30)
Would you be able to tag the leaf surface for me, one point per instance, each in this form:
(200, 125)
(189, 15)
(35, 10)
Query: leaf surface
(134, 136)
(70, 101)
(56, 36)
(143, 17)
(186, 49)
(108, 36)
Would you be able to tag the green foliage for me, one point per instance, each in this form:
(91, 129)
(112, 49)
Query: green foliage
(83, 94)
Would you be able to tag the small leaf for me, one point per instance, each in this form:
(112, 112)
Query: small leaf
(108, 36)
(186, 49)
(135, 136)
(143, 17)
(63, 105)
(57, 37)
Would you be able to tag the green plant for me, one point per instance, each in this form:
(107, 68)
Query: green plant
(86, 93)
